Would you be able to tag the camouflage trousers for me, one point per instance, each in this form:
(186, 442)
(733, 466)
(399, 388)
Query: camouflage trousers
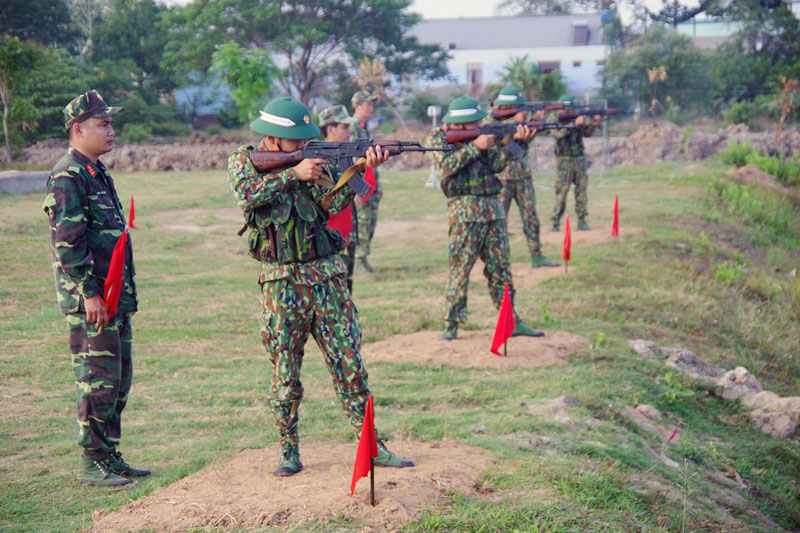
(468, 242)
(367, 220)
(103, 375)
(571, 170)
(290, 313)
(522, 191)
(349, 253)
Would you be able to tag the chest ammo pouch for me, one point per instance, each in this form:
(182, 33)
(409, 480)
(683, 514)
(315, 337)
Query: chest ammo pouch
(475, 179)
(292, 229)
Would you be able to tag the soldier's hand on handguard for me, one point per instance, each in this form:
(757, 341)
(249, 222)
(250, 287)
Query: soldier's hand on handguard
(375, 156)
(523, 133)
(484, 142)
(581, 120)
(309, 169)
(597, 120)
(96, 311)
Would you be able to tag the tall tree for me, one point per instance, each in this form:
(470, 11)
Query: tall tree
(554, 7)
(130, 30)
(85, 14)
(305, 36)
(43, 21)
(17, 59)
(673, 12)
(249, 74)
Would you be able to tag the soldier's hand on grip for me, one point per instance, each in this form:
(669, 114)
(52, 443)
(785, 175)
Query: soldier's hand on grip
(309, 169)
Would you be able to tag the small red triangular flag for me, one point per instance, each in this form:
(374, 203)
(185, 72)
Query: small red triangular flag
(566, 251)
(369, 177)
(505, 322)
(342, 222)
(132, 215)
(615, 223)
(113, 284)
(367, 447)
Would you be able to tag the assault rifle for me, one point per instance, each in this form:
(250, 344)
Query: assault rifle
(502, 130)
(531, 107)
(339, 153)
(574, 113)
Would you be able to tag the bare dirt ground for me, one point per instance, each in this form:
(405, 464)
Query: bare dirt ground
(241, 492)
(471, 349)
(652, 142)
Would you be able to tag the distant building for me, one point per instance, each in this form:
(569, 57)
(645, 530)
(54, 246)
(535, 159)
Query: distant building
(708, 34)
(481, 46)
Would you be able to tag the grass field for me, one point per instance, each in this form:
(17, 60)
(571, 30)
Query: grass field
(710, 274)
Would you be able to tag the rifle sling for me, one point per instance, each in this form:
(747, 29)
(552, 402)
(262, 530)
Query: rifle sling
(343, 179)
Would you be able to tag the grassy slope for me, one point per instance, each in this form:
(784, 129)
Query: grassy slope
(201, 375)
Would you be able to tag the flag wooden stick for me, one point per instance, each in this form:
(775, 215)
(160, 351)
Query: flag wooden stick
(372, 481)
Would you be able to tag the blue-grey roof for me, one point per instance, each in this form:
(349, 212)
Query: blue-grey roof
(482, 33)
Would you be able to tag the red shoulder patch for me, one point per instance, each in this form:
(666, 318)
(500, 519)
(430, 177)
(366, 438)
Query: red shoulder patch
(90, 168)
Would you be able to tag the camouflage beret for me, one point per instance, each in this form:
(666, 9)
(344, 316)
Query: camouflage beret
(363, 96)
(86, 106)
(333, 115)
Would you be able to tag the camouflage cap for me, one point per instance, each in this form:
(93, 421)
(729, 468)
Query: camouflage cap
(462, 110)
(333, 115)
(86, 106)
(509, 96)
(285, 118)
(363, 96)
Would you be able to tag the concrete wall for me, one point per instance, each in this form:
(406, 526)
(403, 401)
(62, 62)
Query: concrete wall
(16, 182)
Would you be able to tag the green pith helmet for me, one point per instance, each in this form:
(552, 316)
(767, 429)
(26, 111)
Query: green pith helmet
(285, 118)
(567, 98)
(462, 110)
(86, 106)
(510, 96)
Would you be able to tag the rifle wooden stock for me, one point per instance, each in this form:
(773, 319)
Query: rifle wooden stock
(509, 111)
(266, 161)
(460, 136)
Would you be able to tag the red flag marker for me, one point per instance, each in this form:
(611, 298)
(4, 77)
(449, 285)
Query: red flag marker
(566, 251)
(342, 222)
(367, 449)
(131, 215)
(113, 284)
(615, 223)
(505, 324)
(369, 177)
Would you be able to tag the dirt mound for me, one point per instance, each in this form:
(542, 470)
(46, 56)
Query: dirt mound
(650, 143)
(242, 492)
(471, 349)
(751, 174)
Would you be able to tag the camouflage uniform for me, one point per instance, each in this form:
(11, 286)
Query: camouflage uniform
(571, 166)
(477, 220)
(517, 179)
(86, 221)
(304, 288)
(367, 211)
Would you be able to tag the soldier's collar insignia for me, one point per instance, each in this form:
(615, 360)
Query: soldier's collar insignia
(91, 170)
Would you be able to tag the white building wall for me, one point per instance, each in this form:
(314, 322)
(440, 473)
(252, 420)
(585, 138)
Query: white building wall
(579, 78)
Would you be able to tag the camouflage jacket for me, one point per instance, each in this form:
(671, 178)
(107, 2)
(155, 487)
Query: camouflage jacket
(358, 130)
(569, 141)
(281, 193)
(86, 221)
(459, 164)
(517, 169)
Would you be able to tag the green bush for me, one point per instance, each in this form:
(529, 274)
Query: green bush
(769, 217)
(736, 154)
(417, 105)
(137, 133)
(748, 111)
(787, 171)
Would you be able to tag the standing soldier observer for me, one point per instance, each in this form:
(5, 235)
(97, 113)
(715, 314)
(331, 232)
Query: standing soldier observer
(474, 212)
(303, 283)
(86, 221)
(334, 122)
(571, 166)
(363, 109)
(517, 179)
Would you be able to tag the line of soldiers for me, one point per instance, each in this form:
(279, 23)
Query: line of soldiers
(304, 263)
